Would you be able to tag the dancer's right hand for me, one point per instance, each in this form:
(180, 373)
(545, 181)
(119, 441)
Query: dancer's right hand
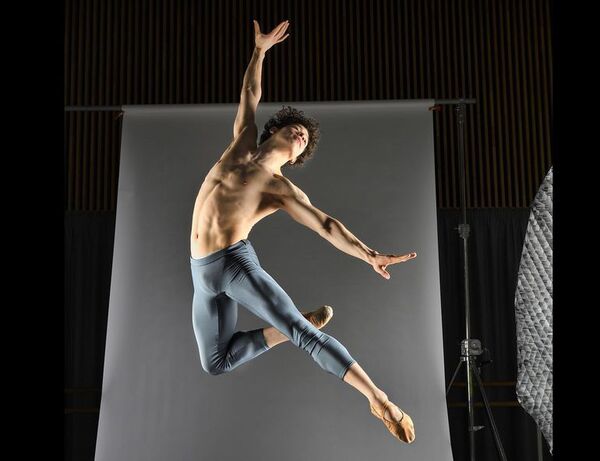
(380, 262)
(265, 41)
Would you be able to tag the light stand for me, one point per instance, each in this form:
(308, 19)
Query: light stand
(470, 349)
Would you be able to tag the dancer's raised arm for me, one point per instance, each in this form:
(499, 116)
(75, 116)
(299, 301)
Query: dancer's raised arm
(251, 86)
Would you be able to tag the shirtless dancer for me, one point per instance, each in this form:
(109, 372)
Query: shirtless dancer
(243, 187)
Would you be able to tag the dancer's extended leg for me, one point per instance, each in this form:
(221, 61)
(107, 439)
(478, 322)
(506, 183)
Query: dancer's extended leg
(256, 290)
(398, 422)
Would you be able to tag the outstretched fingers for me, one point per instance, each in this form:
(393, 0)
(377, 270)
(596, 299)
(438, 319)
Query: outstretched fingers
(403, 258)
(383, 272)
(282, 39)
(280, 28)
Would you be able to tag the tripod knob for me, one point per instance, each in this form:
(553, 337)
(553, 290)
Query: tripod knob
(469, 347)
(475, 428)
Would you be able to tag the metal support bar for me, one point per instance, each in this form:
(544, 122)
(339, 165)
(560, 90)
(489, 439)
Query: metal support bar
(456, 101)
(120, 108)
(93, 108)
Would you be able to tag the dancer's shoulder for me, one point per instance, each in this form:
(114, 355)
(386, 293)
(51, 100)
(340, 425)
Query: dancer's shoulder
(288, 188)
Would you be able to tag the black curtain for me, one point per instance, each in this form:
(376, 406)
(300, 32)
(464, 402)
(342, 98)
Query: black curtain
(88, 250)
(495, 246)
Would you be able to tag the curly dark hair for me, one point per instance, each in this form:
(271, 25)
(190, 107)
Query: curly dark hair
(288, 116)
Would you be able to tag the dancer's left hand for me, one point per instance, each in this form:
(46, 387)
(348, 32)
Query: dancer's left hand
(380, 262)
(265, 41)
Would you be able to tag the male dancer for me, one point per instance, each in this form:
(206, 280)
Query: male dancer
(242, 188)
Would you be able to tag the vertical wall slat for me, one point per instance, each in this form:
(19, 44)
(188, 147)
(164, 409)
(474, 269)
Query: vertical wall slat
(78, 82)
(483, 103)
(546, 74)
(394, 50)
(405, 47)
(152, 44)
(291, 84)
(181, 76)
(472, 111)
(144, 51)
(319, 74)
(93, 52)
(120, 51)
(332, 45)
(503, 106)
(373, 61)
(538, 145)
(68, 58)
(510, 88)
(171, 53)
(461, 89)
(353, 46)
(192, 40)
(451, 90)
(87, 45)
(422, 53)
(526, 99)
(233, 83)
(102, 44)
(414, 83)
(218, 74)
(299, 62)
(384, 28)
(497, 120)
(517, 112)
(277, 53)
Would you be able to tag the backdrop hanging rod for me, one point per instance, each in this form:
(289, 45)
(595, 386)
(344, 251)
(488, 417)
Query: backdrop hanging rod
(455, 101)
(120, 108)
(93, 108)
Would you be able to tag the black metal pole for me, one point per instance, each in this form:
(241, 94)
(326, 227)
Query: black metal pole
(463, 230)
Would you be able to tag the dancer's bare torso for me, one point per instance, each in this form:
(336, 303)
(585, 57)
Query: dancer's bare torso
(236, 194)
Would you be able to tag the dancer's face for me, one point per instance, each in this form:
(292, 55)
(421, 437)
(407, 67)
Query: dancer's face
(299, 135)
(296, 135)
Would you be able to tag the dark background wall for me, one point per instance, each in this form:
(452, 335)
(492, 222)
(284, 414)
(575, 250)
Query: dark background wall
(180, 52)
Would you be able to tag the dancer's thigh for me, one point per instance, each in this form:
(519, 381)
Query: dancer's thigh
(260, 293)
(214, 318)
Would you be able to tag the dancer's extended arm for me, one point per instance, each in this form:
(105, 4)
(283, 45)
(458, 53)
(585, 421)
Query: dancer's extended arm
(297, 204)
(251, 86)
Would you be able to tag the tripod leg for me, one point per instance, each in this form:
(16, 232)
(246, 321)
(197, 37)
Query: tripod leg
(489, 414)
(453, 376)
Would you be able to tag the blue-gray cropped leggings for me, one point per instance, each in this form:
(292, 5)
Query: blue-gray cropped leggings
(233, 276)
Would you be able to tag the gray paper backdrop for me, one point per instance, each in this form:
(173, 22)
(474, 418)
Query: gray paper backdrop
(374, 171)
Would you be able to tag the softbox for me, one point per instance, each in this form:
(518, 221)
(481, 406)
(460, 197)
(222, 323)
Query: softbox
(533, 313)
